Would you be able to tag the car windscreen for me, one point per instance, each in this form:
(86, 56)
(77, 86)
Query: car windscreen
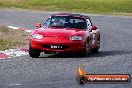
(66, 22)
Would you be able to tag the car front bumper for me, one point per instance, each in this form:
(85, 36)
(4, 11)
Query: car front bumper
(63, 45)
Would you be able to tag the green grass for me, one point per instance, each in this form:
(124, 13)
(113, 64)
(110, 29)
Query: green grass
(88, 6)
(9, 40)
(7, 44)
(3, 29)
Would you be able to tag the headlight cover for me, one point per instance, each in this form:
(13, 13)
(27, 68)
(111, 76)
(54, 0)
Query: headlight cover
(37, 36)
(76, 38)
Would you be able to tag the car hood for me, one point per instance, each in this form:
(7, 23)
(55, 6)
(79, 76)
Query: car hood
(60, 32)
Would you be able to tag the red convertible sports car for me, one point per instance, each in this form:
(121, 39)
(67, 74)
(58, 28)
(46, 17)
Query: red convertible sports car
(65, 32)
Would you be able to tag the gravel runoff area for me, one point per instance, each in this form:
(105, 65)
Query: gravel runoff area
(13, 42)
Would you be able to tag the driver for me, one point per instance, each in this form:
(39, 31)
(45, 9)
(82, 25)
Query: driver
(57, 22)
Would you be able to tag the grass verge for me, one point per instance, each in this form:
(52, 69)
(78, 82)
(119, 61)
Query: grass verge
(12, 38)
(88, 6)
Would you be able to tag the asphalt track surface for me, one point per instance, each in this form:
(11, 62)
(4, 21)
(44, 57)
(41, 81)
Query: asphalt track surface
(58, 71)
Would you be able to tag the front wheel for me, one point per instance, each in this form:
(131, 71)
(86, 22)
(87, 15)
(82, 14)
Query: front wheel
(33, 52)
(86, 49)
(96, 50)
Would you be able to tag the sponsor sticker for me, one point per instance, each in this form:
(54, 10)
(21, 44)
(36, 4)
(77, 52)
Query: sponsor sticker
(82, 77)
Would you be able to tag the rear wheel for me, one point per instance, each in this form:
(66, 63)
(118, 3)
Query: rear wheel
(33, 52)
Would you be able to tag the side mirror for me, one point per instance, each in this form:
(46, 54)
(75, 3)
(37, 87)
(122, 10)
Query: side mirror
(38, 25)
(94, 28)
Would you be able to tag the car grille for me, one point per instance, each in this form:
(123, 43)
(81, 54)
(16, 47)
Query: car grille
(60, 47)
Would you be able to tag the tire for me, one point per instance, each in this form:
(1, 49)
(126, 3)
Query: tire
(33, 52)
(96, 50)
(86, 49)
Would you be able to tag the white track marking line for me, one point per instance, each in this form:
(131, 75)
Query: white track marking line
(28, 30)
(13, 27)
(14, 52)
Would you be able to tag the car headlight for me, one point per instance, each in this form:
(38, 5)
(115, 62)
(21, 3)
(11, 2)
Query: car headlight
(76, 38)
(37, 36)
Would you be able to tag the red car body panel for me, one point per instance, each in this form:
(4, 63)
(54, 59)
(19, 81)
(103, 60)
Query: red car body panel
(60, 37)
